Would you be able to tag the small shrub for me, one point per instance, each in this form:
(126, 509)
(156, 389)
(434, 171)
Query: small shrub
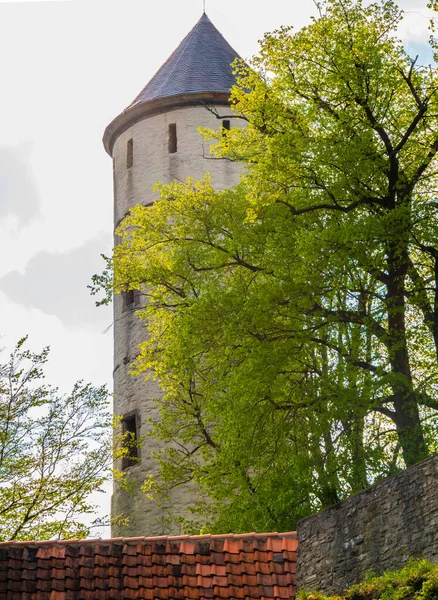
(417, 581)
(429, 590)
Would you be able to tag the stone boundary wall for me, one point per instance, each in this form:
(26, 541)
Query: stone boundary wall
(376, 530)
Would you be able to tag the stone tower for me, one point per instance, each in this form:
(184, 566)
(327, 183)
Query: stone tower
(156, 138)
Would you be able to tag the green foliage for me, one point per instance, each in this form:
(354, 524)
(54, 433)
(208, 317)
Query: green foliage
(54, 451)
(293, 319)
(417, 581)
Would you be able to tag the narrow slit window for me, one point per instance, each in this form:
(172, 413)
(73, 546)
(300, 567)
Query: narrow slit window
(128, 300)
(173, 142)
(129, 430)
(226, 124)
(129, 153)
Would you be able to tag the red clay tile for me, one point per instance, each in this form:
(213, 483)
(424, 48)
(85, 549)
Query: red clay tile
(44, 585)
(57, 573)
(87, 584)
(218, 558)
(239, 536)
(231, 546)
(232, 558)
(189, 581)
(249, 580)
(220, 581)
(248, 545)
(101, 584)
(247, 568)
(202, 582)
(173, 559)
(203, 569)
(229, 592)
(130, 582)
(274, 544)
(29, 586)
(58, 585)
(283, 579)
(290, 544)
(115, 583)
(246, 556)
(263, 580)
(233, 569)
(292, 565)
(43, 574)
(251, 591)
(262, 556)
(130, 571)
(267, 591)
(86, 573)
(263, 567)
(188, 559)
(129, 550)
(86, 562)
(281, 592)
(216, 545)
(244, 566)
(44, 552)
(144, 560)
(187, 547)
(202, 559)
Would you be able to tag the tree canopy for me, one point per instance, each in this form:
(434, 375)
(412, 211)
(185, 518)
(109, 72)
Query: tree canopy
(293, 319)
(55, 451)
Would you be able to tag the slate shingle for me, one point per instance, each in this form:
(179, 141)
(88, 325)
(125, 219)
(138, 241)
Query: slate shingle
(201, 63)
(171, 568)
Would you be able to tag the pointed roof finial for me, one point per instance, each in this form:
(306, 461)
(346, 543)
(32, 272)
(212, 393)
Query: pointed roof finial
(204, 5)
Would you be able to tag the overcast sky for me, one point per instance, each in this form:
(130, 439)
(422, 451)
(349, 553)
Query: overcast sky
(68, 68)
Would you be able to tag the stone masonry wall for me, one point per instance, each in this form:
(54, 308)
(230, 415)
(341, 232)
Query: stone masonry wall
(152, 162)
(376, 530)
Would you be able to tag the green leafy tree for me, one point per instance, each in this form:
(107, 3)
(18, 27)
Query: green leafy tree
(294, 319)
(54, 451)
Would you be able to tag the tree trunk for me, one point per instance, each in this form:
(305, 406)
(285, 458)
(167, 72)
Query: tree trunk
(407, 417)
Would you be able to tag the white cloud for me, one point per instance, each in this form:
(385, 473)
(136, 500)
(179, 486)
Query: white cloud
(56, 283)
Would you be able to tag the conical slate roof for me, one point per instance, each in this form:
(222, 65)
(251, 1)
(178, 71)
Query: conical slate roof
(198, 71)
(201, 63)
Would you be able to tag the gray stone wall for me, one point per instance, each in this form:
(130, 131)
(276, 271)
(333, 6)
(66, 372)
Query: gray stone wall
(376, 530)
(152, 162)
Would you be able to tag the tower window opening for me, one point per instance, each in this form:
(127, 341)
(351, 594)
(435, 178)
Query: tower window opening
(226, 124)
(129, 153)
(130, 441)
(128, 300)
(173, 142)
(131, 299)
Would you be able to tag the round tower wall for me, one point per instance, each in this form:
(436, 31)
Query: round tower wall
(152, 161)
(135, 399)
